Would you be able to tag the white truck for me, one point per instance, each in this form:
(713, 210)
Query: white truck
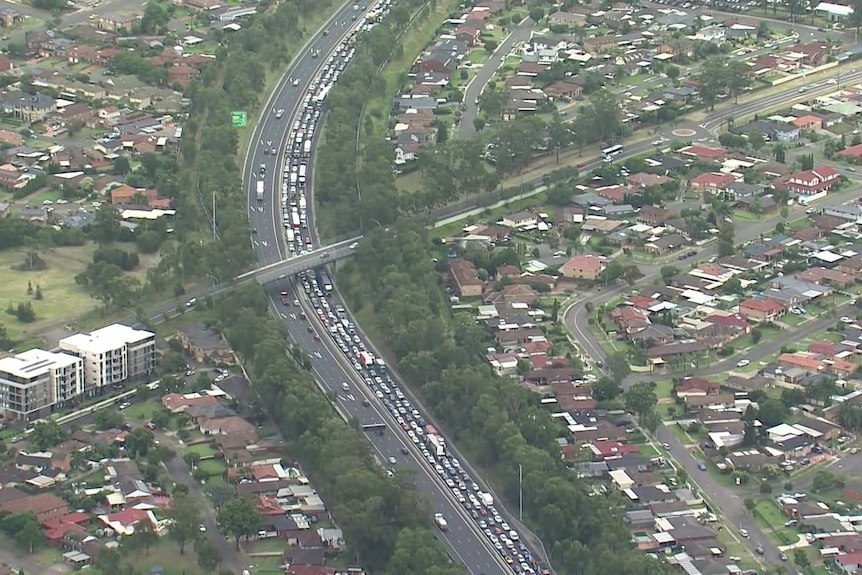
(486, 499)
(303, 204)
(441, 521)
(259, 190)
(306, 147)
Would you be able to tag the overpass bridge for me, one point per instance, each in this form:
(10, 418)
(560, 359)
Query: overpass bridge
(292, 266)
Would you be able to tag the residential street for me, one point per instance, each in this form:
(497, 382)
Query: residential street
(179, 471)
(725, 502)
(521, 33)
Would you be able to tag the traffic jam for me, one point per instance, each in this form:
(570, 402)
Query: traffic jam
(375, 373)
(338, 326)
(300, 136)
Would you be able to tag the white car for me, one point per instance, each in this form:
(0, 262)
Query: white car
(392, 461)
(742, 363)
(846, 319)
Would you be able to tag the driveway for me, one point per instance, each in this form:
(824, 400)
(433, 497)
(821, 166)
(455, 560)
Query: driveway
(724, 501)
(179, 471)
(521, 33)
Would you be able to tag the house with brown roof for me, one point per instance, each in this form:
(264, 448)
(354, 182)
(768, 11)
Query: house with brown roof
(827, 276)
(205, 345)
(761, 310)
(654, 215)
(465, 278)
(583, 267)
(181, 74)
(44, 505)
(696, 386)
(645, 180)
(225, 426)
(851, 266)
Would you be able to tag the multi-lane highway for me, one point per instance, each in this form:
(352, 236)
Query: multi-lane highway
(465, 542)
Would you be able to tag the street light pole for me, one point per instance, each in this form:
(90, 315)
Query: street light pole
(520, 493)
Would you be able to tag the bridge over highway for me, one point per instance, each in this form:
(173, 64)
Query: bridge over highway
(292, 266)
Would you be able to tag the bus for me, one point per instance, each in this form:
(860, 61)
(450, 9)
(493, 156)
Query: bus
(378, 427)
(608, 154)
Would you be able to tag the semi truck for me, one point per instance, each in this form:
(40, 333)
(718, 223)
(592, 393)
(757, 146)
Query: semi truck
(260, 191)
(437, 444)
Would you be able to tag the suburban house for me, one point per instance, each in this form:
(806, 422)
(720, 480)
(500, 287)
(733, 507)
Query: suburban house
(760, 310)
(465, 278)
(813, 181)
(205, 345)
(583, 267)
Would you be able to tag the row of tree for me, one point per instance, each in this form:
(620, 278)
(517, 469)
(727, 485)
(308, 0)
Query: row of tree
(496, 422)
(385, 520)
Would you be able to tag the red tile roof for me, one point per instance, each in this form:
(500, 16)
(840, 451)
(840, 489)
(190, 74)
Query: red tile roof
(764, 305)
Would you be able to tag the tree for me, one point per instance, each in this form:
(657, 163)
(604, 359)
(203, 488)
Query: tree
(801, 558)
(239, 517)
(207, 555)
(144, 536)
(192, 458)
(107, 419)
(618, 365)
(24, 528)
(605, 389)
(771, 412)
(138, 442)
(185, 514)
(121, 165)
(823, 481)
(756, 335)
(47, 434)
(641, 398)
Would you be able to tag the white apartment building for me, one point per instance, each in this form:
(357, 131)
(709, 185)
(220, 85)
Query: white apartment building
(33, 382)
(113, 355)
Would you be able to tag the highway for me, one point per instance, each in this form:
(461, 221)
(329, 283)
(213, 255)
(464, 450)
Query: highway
(464, 541)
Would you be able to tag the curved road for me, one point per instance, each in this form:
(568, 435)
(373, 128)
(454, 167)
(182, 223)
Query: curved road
(521, 33)
(463, 539)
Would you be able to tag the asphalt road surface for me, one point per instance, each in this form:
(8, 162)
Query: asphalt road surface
(521, 33)
(463, 540)
(180, 473)
(331, 369)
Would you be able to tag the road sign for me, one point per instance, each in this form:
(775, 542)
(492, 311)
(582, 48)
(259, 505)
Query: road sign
(238, 119)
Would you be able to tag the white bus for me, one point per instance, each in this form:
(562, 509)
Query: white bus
(608, 154)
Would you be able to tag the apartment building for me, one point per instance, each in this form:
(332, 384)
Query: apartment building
(33, 382)
(113, 355)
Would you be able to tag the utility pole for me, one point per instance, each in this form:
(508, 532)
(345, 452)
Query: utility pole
(520, 492)
(215, 235)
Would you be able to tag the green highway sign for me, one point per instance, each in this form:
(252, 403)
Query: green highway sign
(238, 119)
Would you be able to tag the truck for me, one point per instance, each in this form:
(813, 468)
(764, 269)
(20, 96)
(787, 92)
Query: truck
(303, 204)
(294, 219)
(441, 521)
(290, 237)
(285, 299)
(260, 190)
(486, 499)
(437, 444)
(365, 358)
(306, 147)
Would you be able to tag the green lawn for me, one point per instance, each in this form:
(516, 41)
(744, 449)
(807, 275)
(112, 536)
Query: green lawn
(62, 298)
(141, 411)
(769, 516)
(202, 449)
(213, 467)
(165, 554)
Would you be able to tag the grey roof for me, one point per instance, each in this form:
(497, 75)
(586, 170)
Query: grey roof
(591, 199)
(38, 101)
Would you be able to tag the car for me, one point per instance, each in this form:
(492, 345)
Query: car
(701, 466)
(846, 319)
(742, 362)
(279, 113)
(405, 451)
(811, 211)
(392, 461)
(295, 82)
(744, 533)
(760, 550)
(202, 528)
(353, 245)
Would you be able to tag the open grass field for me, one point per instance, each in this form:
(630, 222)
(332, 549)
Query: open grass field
(61, 297)
(63, 300)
